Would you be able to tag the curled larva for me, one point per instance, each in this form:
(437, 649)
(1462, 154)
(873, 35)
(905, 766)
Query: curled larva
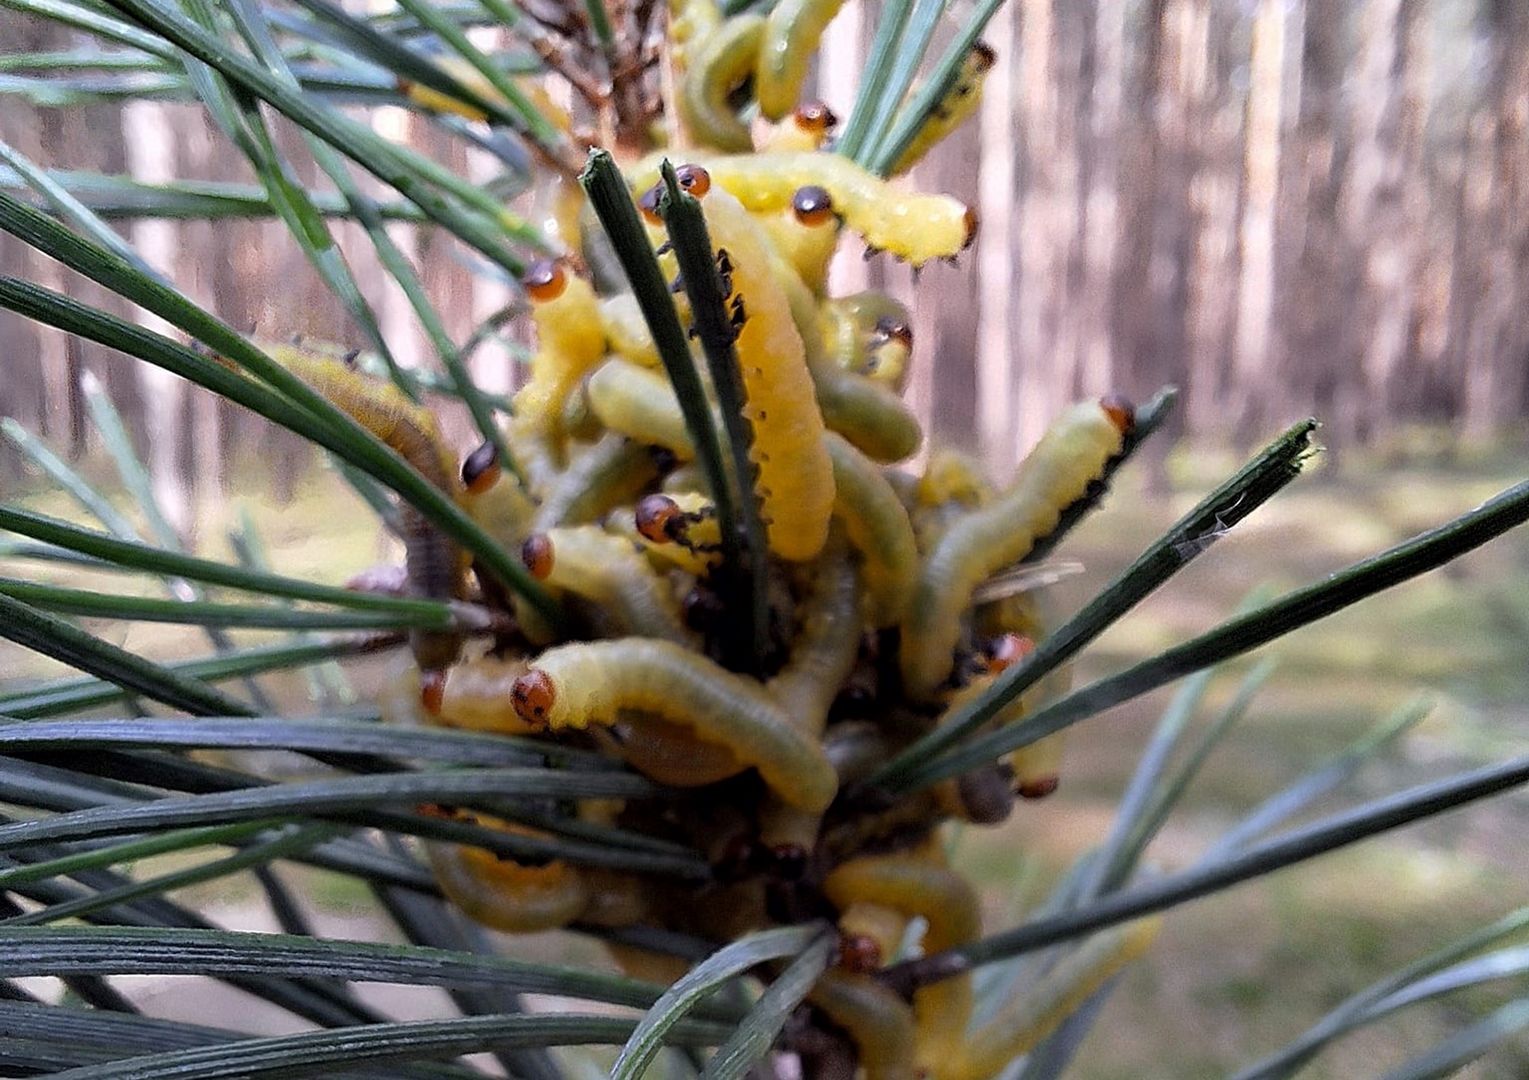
(910, 225)
(917, 887)
(954, 109)
(805, 130)
(605, 570)
(721, 66)
(870, 333)
(503, 894)
(681, 529)
(627, 330)
(570, 339)
(435, 565)
(1071, 456)
(610, 472)
(791, 36)
(794, 479)
(594, 682)
(639, 403)
(691, 22)
(1040, 1005)
(877, 525)
(878, 1021)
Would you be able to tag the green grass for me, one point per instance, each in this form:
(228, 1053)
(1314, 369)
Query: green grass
(1240, 973)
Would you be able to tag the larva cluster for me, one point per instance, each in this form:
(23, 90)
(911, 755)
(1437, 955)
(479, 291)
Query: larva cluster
(872, 607)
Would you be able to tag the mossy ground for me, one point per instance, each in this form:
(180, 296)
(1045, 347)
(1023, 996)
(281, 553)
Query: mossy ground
(1239, 973)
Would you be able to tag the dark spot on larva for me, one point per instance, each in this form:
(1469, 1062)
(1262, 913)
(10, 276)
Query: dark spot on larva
(694, 179)
(895, 329)
(1120, 411)
(812, 205)
(432, 691)
(659, 518)
(858, 954)
(1039, 787)
(970, 220)
(815, 117)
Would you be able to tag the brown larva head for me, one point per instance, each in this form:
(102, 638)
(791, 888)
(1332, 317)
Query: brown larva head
(545, 281)
(1120, 411)
(970, 220)
(480, 469)
(1038, 787)
(812, 205)
(533, 696)
(983, 57)
(815, 118)
(1006, 650)
(536, 552)
(432, 691)
(648, 204)
(891, 328)
(694, 180)
(658, 517)
(858, 954)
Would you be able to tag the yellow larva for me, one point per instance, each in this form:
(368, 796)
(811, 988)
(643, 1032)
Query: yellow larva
(494, 499)
(869, 333)
(1040, 1006)
(435, 564)
(824, 649)
(795, 478)
(918, 887)
(681, 529)
(878, 527)
(878, 1021)
(607, 571)
(910, 225)
(503, 894)
(570, 339)
(691, 22)
(806, 235)
(600, 477)
(806, 129)
(639, 403)
(957, 106)
(574, 686)
(791, 36)
(477, 696)
(1058, 472)
(722, 64)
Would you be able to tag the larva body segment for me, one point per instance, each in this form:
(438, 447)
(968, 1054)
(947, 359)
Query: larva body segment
(877, 525)
(724, 61)
(795, 478)
(808, 249)
(600, 477)
(1041, 1005)
(506, 895)
(594, 682)
(627, 330)
(570, 339)
(639, 403)
(878, 1021)
(435, 565)
(1070, 456)
(957, 106)
(691, 22)
(670, 753)
(825, 647)
(791, 36)
(609, 573)
(918, 887)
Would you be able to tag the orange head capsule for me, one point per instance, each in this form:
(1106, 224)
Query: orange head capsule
(1120, 411)
(1006, 650)
(532, 695)
(1039, 787)
(480, 469)
(815, 118)
(694, 179)
(536, 552)
(545, 281)
(858, 954)
(659, 518)
(432, 691)
(648, 204)
(971, 228)
(812, 205)
(892, 328)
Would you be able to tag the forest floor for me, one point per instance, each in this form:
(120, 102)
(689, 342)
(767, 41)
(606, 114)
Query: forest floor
(1240, 973)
